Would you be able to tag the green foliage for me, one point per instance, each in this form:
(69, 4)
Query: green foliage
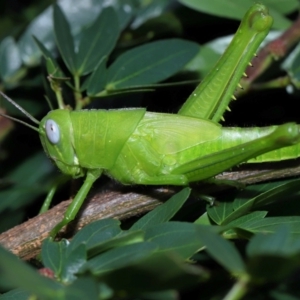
(23, 188)
(92, 52)
(103, 259)
(164, 212)
(118, 259)
(235, 9)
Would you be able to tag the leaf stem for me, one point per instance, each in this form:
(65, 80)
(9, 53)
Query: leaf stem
(59, 98)
(239, 289)
(77, 93)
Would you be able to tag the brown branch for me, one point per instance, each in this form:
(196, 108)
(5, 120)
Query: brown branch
(256, 173)
(118, 202)
(25, 239)
(275, 49)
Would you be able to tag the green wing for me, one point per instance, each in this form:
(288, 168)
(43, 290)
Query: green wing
(170, 134)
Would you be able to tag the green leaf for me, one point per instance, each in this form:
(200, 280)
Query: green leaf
(222, 250)
(24, 187)
(125, 10)
(211, 51)
(64, 39)
(20, 275)
(266, 194)
(124, 238)
(65, 264)
(97, 41)
(244, 222)
(150, 63)
(156, 272)
(52, 66)
(292, 66)
(163, 25)
(42, 28)
(164, 212)
(72, 263)
(203, 220)
(226, 8)
(280, 242)
(219, 213)
(82, 288)
(236, 9)
(271, 224)
(97, 80)
(27, 184)
(285, 7)
(179, 237)
(53, 254)
(273, 256)
(119, 257)
(203, 61)
(253, 197)
(79, 15)
(102, 235)
(10, 59)
(82, 14)
(16, 294)
(96, 233)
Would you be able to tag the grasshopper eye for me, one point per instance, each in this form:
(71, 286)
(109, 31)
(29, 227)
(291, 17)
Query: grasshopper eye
(52, 131)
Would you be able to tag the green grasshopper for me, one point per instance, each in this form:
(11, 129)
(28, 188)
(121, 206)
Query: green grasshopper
(135, 146)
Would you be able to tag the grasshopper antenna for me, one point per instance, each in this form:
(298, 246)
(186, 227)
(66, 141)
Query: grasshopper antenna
(27, 114)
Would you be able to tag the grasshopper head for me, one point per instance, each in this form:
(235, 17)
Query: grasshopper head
(56, 134)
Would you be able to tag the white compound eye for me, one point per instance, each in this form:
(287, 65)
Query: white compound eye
(52, 131)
